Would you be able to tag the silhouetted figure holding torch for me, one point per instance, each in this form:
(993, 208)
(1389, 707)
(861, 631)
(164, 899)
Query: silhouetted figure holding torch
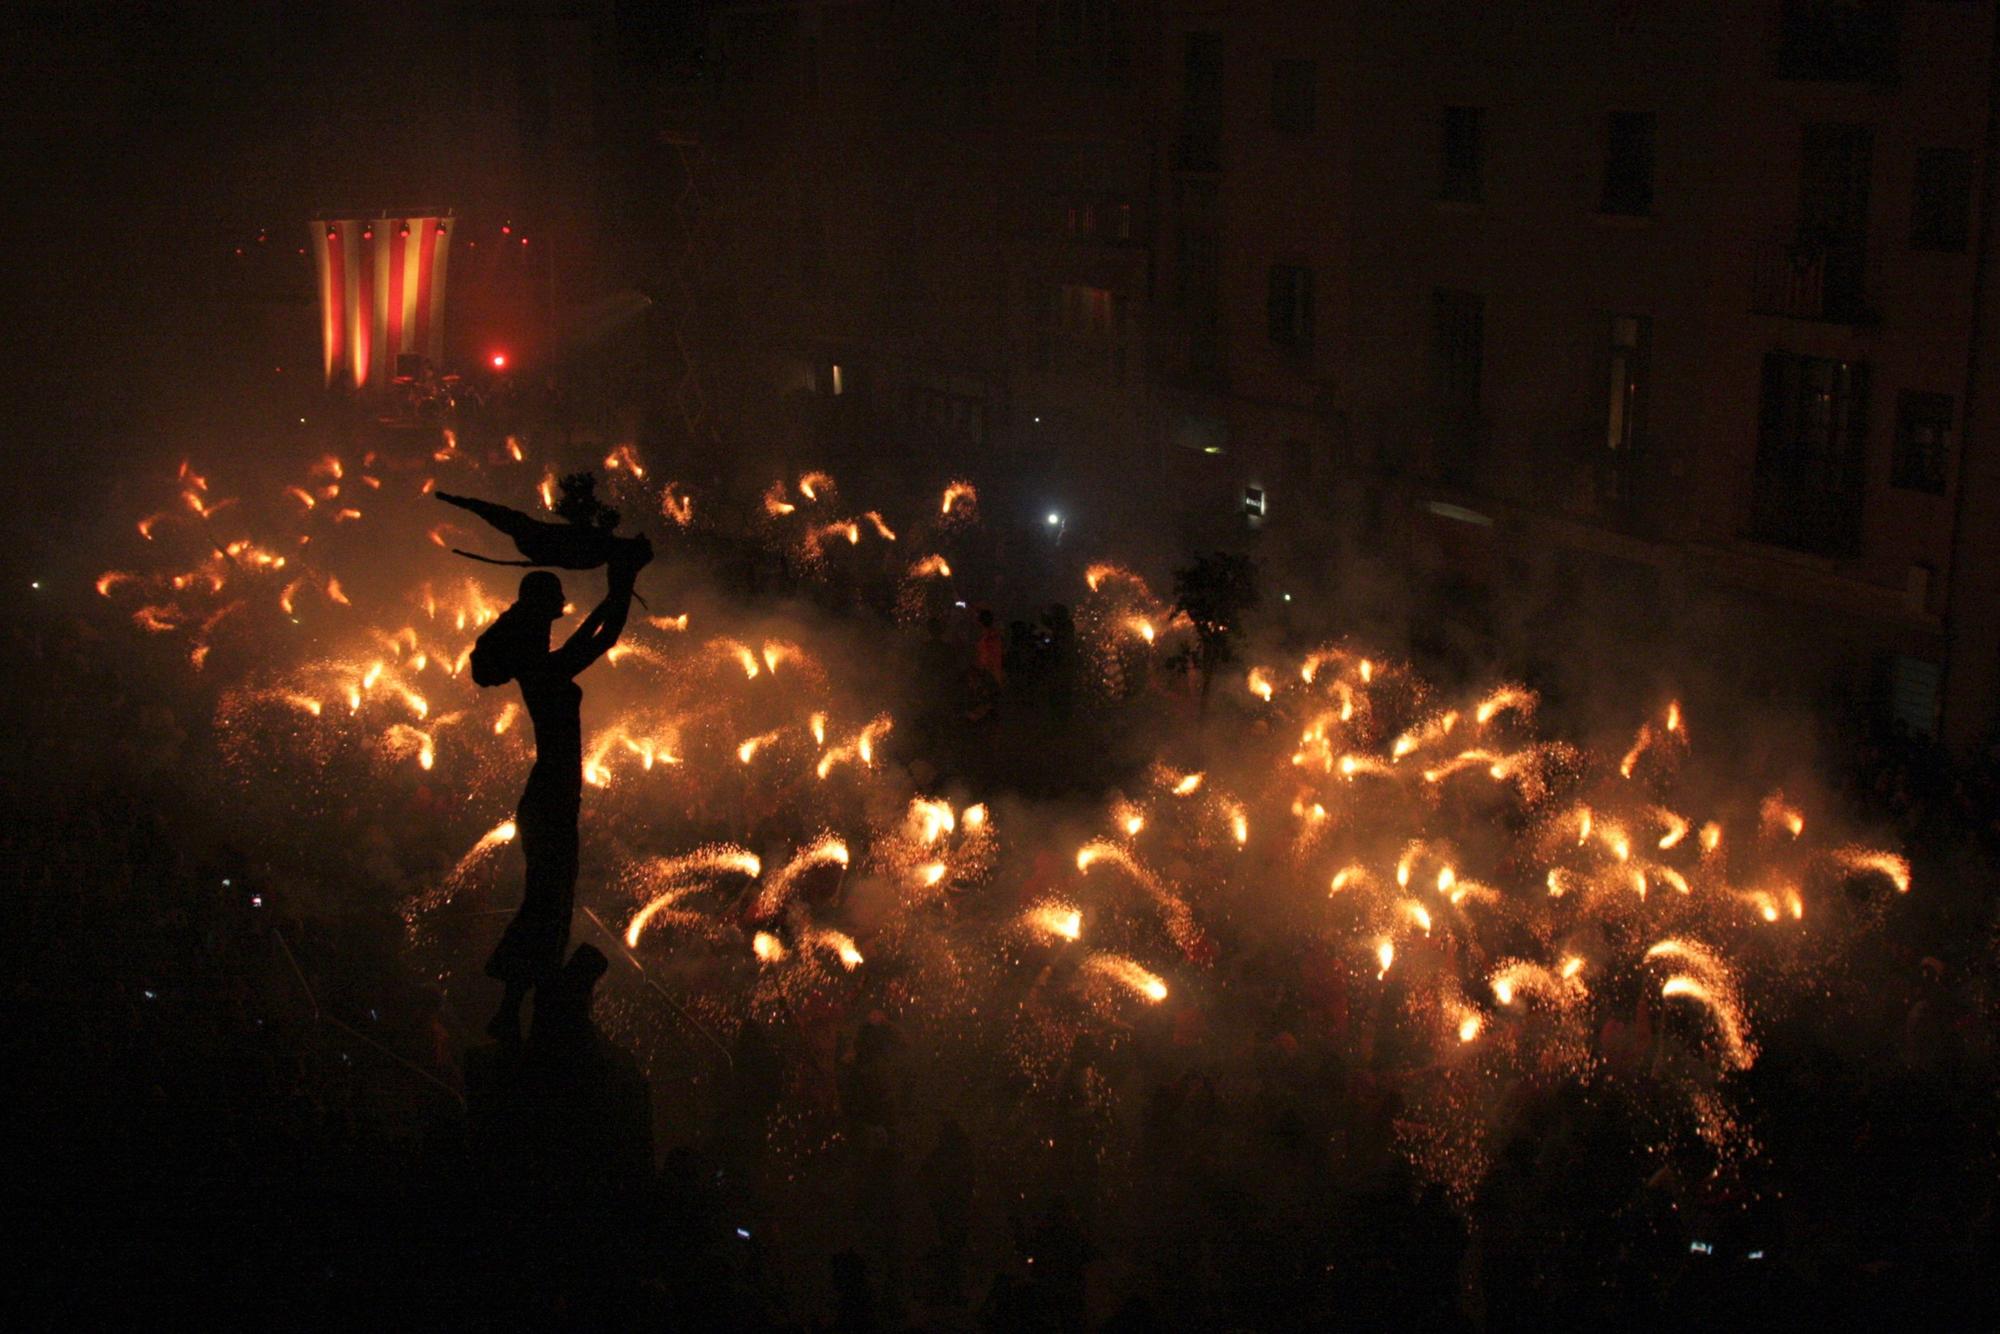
(582, 541)
(516, 648)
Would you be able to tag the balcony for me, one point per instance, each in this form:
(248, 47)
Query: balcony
(1837, 41)
(1801, 279)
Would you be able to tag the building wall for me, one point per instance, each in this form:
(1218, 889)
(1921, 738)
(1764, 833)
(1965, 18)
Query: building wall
(1551, 266)
(935, 154)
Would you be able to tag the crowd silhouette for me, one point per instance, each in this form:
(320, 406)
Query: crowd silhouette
(241, 1099)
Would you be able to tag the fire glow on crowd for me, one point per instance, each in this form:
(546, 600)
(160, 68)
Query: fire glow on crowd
(1493, 897)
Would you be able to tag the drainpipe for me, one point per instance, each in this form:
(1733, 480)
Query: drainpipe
(1972, 604)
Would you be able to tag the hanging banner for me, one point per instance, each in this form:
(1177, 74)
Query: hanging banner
(381, 292)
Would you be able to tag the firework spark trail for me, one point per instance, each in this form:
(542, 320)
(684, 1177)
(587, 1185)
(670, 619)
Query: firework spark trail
(1863, 861)
(1127, 973)
(1175, 914)
(1708, 981)
(827, 850)
(669, 879)
(959, 498)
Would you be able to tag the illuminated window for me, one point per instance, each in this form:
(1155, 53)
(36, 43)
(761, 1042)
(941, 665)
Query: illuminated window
(1624, 405)
(1085, 310)
(1628, 368)
(1253, 501)
(838, 386)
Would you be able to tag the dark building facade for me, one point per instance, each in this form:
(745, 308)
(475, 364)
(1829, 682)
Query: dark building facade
(1674, 319)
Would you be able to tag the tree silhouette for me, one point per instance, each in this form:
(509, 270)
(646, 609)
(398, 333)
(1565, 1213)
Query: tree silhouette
(1214, 592)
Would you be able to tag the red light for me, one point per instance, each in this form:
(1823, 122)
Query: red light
(524, 240)
(403, 230)
(367, 233)
(506, 229)
(499, 361)
(333, 233)
(440, 229)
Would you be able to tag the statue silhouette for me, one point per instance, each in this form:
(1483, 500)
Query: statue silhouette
(516, 648)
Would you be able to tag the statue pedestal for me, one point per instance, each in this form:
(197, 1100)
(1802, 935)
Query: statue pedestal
(572, 1119)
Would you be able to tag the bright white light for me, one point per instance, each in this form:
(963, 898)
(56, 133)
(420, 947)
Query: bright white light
(1038, 421)
(1054, 519)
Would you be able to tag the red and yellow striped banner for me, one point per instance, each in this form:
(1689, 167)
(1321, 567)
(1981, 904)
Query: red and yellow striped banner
(381, 292)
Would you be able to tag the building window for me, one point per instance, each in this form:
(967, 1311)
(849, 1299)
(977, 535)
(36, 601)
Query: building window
(1462, 162)
(1294, 95)
(1625, 391)
(812, 247)
(1084, 310)
(1198, 271)
(1941, 201)
(1923, 441)
(1458, 349)
(1085, 40)
(1290, 307)
(1628, 164)
(1201, 103)
(1913, 689)
(1811, 447)
(1090, 216)
(1821, 271)
(1835, 166)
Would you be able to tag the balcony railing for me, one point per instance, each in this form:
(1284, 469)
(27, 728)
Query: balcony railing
(1812, 280)
(1790, 511)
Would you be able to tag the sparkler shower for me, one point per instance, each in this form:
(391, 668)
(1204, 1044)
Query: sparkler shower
(1482, 898)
